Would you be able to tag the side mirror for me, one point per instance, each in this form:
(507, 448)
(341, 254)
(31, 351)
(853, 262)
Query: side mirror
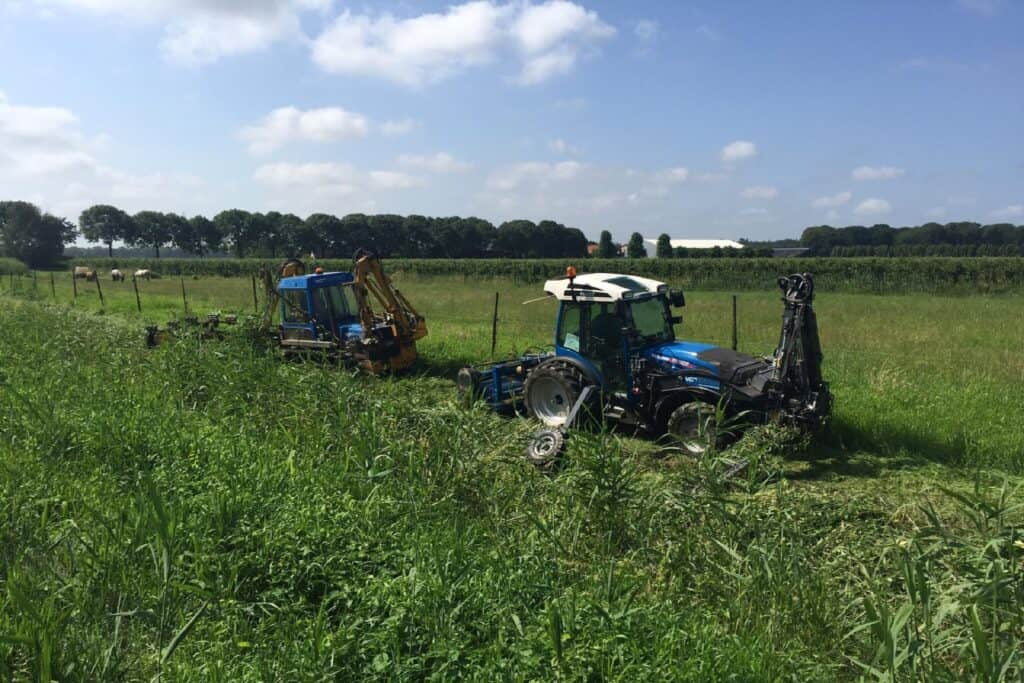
(676, 298)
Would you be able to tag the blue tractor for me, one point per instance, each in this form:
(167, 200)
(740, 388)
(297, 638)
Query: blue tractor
(616, 357)
(331, 314)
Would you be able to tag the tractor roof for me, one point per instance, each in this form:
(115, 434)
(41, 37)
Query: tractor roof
(313, 281)
(604, 287)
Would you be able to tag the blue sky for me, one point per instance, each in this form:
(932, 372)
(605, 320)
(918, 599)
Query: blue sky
(698, 119)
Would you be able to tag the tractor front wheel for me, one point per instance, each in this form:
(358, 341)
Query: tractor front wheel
(551, 391)
(695, 426)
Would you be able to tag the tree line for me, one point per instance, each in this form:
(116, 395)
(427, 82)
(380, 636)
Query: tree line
(244, 233)
(931, 239)
(38, 238)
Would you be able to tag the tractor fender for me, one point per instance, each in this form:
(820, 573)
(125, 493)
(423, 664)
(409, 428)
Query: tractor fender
(675, 398)
(555, 361)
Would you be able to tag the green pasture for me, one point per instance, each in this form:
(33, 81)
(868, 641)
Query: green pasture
(204, 511)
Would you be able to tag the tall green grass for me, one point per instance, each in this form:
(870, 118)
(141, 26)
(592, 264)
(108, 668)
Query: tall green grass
(206, 512)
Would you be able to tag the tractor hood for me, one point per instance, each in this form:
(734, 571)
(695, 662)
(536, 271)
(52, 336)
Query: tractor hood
(679, 356)
(731, 366)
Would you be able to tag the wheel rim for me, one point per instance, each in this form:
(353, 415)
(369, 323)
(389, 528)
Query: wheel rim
(549, 401)
(696, 431)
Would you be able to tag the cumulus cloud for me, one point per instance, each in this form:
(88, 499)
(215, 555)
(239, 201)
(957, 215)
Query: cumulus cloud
(287, 124)
(646, 30)
(1011, 211)
(549, 38)
(396, 128)
(331, 178)
(760, 192)
(877, 173)
(511, 177)
(832, 201)
(678, 174)
(738, 149)
(198, 32)
(872, 207)
(442, 162)
(46, 157)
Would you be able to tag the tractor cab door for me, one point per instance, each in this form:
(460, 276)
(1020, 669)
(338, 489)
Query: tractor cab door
(592, 333)
(336, 304)
(296, 319)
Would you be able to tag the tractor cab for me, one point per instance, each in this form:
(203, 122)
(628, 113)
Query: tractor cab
(606, 321)
(319, 306)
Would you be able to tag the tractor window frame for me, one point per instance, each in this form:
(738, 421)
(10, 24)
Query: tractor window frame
(294, 307)
(580, 310)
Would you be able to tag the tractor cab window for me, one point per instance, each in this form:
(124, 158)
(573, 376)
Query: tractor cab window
(335, 302)
(570, 331)
(294, 301)
(652, 320)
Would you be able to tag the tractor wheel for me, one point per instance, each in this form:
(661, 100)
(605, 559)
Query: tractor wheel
(467, 385)
(695, 426)
(545, 449)
(551, 391)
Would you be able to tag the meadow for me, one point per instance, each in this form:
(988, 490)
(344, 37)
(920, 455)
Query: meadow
(203, 511)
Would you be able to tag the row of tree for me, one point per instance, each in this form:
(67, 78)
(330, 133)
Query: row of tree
(822, 240)
(31, 236)
(272, 234)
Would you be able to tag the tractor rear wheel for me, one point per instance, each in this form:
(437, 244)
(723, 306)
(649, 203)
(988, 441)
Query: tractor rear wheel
(551, 391)
(695, 426)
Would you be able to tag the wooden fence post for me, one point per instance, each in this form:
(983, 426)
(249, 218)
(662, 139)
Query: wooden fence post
(184, 300)
(255, 303)
(494, 326)
(100, 290)
(138, 301)
(74, 286)
(734, 322)
(53, 286)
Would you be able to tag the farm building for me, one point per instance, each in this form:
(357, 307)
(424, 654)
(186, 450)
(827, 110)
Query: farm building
(693, 244)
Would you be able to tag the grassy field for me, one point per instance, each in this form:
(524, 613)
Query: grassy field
(205, 512)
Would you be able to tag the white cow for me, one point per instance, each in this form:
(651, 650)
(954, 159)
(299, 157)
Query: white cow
(143, 274)
(116, 275)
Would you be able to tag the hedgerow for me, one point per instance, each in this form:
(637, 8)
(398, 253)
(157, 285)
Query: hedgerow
(873, 275)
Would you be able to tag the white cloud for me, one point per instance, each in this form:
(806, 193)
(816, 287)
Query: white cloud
(287, 124)
(198, 32)
(421, 50)
(877, 173)
(331, 178)
(511, 177)
(396, 128)
(760, 192)
(872, 207)
(985, 8)
(678, 174)
(321, 174)
(754, 212)
(1011, 211)
(42, 140)
(394, 180)
(560, 146)
(832, 201)
(738, 149)
(646, 30)
(442, 162)
(710, 177)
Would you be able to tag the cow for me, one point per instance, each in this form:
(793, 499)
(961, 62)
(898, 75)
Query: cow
(143, 274)
(85, 272)
(116, 275)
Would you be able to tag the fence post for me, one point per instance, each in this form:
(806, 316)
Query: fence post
(138, 301)
(255, 303)
(53, 286)
(34, 282)
(733, 322)
(494, 326)
(184, 300)
(74, 286)
(100, 290)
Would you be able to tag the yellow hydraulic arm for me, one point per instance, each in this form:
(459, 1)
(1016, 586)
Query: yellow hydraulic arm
(408, 325)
